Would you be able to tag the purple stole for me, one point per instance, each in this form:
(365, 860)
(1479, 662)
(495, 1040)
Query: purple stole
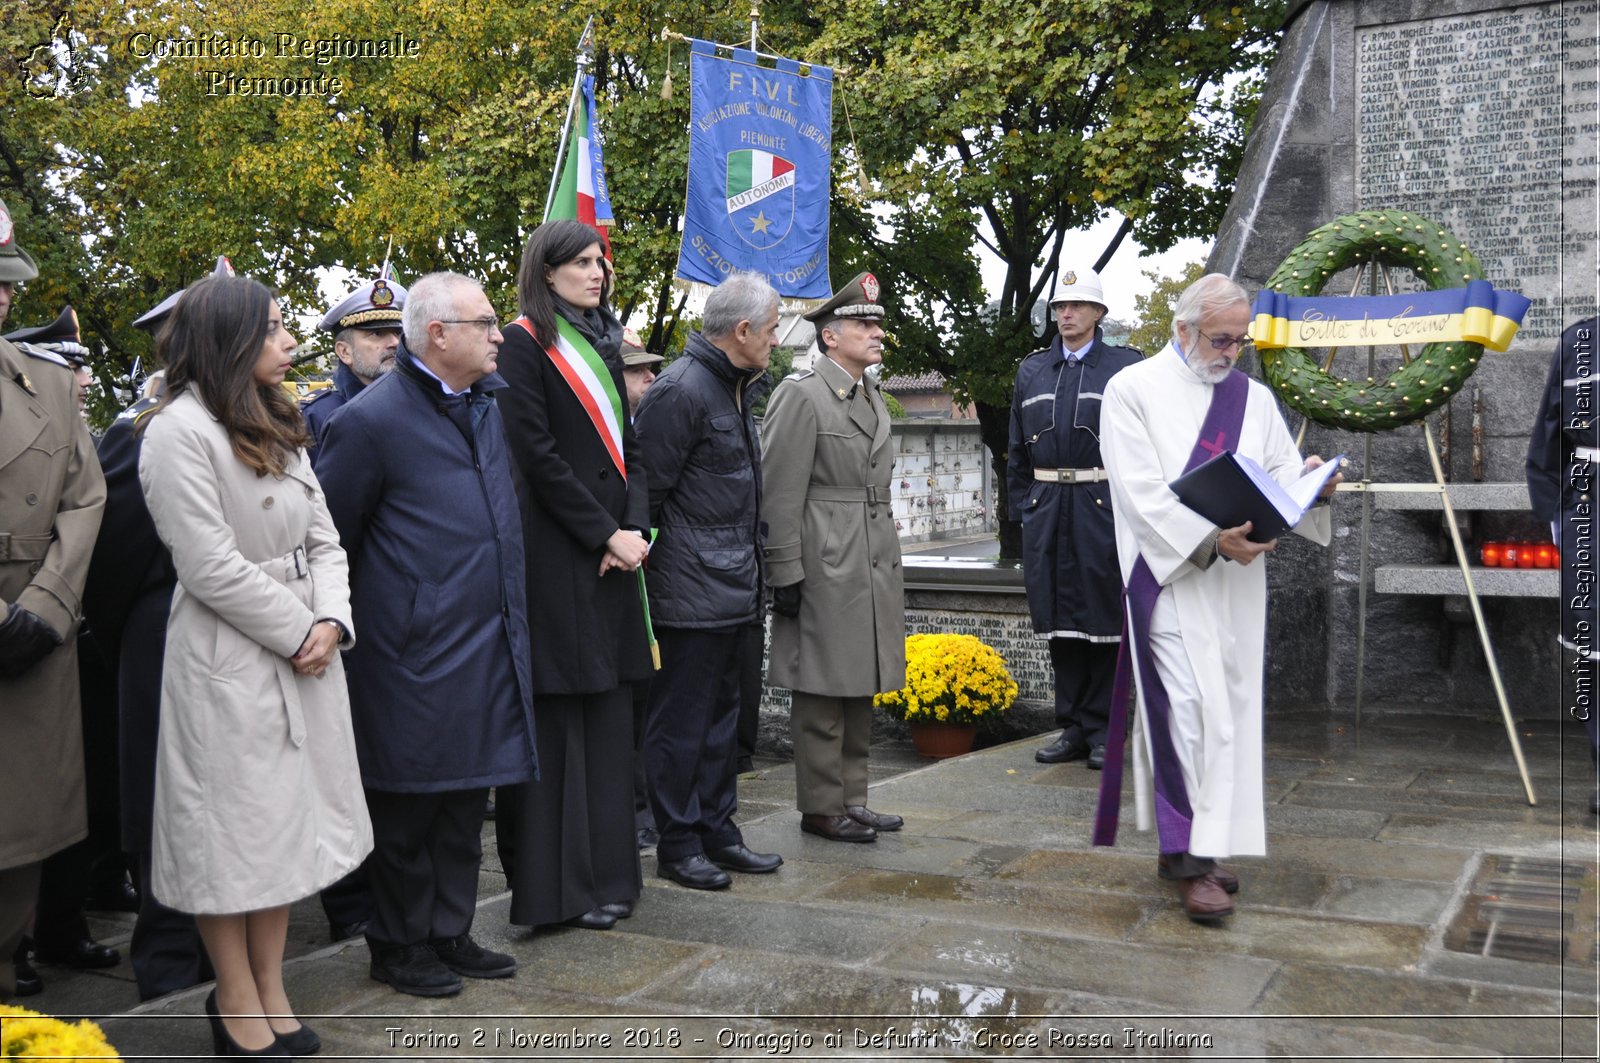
(1223, 423)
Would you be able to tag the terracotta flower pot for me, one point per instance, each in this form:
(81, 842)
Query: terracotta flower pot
(939, 740)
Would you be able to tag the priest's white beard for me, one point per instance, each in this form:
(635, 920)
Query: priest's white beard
(1212, 371)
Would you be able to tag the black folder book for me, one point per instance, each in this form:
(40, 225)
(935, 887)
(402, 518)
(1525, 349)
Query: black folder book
(1231, 489)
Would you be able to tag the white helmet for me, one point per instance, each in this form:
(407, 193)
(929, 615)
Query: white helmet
(1078, 285)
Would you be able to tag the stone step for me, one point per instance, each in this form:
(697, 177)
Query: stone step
(1425, 496)
(1446, 579)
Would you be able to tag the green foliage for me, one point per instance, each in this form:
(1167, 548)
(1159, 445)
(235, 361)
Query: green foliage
(127, 179)
(896, 410)
(1155, 309)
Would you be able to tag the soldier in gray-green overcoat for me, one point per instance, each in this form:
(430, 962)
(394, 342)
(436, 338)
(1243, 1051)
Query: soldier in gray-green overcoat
(833, 561)
(51, 497)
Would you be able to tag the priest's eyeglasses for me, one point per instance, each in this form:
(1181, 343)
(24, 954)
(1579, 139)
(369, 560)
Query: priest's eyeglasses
(1222, 343)
(487, 324)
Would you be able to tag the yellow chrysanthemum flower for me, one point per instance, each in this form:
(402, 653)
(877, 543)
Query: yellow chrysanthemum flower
(955, 678)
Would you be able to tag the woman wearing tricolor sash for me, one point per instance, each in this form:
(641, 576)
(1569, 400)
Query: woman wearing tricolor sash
(567, 841)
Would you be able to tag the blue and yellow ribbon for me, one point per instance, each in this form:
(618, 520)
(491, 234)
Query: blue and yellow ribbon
(1478, 313)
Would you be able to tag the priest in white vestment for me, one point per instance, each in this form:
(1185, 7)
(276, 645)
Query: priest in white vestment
(1205, 636)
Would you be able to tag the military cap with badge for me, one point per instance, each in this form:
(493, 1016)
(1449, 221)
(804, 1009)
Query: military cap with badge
(374, 305)
(15, 263)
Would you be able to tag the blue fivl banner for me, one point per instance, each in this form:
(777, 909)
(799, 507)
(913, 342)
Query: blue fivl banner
(760, 156)
(1478, 313)
(597, 162)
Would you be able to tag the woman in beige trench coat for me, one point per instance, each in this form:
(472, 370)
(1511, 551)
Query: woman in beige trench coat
(258, 794)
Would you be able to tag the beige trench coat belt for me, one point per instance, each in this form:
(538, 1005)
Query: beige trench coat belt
(871, 494)
(1069, 476)
(24, 547)
(286, 569)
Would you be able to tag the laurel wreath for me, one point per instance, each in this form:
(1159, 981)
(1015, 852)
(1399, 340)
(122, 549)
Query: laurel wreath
(1382, 237)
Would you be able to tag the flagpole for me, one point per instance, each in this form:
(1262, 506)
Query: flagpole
(584, 58)
(755, 13)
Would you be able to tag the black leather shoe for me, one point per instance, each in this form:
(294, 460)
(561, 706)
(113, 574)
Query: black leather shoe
(593, 919)
(740, 858)
(113, 895)
(465, 956)
(876, 820)
(488, 808)
(29, 984)
(695, 872)
(837, 828)
(414, 969)
(346, 931)
(302, 1042)
(1097, 757)
(648, 837)
(618, 909)
(1066, 747)
(83, 954)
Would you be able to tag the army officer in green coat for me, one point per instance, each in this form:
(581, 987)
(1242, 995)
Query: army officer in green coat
(833, 561)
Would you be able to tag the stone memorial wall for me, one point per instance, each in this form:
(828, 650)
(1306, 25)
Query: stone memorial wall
(1487, 119)
(1482, 115)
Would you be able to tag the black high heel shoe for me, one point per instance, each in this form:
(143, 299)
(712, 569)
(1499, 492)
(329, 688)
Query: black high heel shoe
(223, 1044)
(302, 1042)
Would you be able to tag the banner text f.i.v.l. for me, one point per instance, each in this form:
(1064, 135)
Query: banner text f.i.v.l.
(760, 157)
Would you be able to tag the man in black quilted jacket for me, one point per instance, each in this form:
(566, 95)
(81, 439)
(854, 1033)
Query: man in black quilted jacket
(703, 465)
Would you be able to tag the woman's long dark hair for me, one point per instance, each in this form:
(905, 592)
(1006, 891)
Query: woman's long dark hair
(555, 243)
(211, 343)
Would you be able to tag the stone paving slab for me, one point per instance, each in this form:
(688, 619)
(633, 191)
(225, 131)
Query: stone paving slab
(726, 919)
(990, 924)
(1159, 977)
(1395, 902)
(1254, 931)
(1516, 833)
(988, 902)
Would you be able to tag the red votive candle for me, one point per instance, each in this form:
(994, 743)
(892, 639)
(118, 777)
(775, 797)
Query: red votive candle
(1492, 554)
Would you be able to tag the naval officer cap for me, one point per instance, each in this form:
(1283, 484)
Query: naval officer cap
(151, 319)
(858, 299)
(374, 305)
(15, 263)
(60, 338)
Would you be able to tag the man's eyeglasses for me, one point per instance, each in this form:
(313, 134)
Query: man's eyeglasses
(487, 324)
(1222, 343)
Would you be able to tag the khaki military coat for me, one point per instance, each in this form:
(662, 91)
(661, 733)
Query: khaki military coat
(826, 460)
(51, 498)
(258, 793)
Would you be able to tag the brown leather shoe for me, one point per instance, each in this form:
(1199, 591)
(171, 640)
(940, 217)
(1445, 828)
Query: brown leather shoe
(1204, 898)
(837, 828)
(1225, 878)
(876, 820)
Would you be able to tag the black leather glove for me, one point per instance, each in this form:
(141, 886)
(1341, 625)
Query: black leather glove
(25, 640)
(786, 600)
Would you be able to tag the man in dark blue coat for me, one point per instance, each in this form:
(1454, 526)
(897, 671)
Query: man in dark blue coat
(419, 483)
(1056, 486)
(366, 333)
(703, 465)
(1563, 464)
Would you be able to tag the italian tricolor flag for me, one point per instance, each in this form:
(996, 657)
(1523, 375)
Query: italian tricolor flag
(754, 174)
(582, 191)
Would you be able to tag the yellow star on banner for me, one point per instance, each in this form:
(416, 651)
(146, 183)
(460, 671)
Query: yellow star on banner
(760, 223)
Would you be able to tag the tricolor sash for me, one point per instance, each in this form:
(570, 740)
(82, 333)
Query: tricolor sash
(1223, 423)
(587, 374)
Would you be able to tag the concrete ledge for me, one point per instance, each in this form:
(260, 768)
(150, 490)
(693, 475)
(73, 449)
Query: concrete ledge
(1508, 496)
(1446, 579)
(928, 572)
